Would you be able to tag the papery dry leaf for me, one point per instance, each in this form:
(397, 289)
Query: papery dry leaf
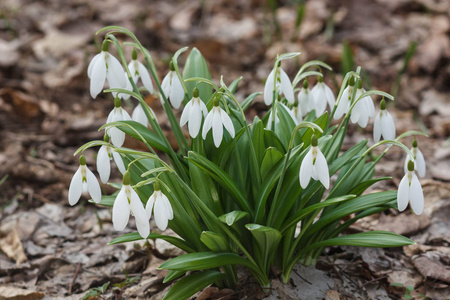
(14, 293)
(432, 269)
(11, 245)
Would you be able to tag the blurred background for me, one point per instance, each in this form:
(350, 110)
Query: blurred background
(49, 249)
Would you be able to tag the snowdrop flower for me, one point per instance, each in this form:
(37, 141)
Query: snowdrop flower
(363, 109)
(138, 70)
(84, 181)
(127, 87)
(322, 95)
(277, 119)
(128, 201)
(173, 88)
(314, 166)
(216, 119)
(346, 100)
(104, 157)
(283, 85)
(117, 114)
(105, 66)
(383, 125)
(410, 190)
(304, 98)
(160, 204)
(297, 112)
(419, 160)
(192, 113)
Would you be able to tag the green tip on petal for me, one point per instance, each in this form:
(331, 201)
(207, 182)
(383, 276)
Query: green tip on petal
(156, 186)
(216, 100)
(126, 178)
(383, 104)
(410, 166)
(117, 102)
(134, 54)
(314, 140)
(195, 93)
(414, 144)
(105, 46)
(82, 160)
(305, 84)
(171, 66)
(360, 84)
(351, 81)
(320, 78)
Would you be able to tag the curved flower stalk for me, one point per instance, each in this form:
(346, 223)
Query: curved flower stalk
(192, 114)
(128, 201)
(160, 205)
(117, 114)
(363, 109)
(173, 88)
(280, 84)
(277, 120)
(305, 98)
(314, 166)
(384, 124)
(419, 160)
(216, 119)
(105, 66)
(84, 181)
(410, 190)
(104, 157)
(345, 100)
(321, 95)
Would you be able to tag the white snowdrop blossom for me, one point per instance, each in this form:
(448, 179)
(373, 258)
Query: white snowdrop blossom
(315, 166)
(304, 98)
(280, 84)
(419, 160)
(410, 190)
(105, 66)
(384, 124)
(173, 88)
(363, 109)
(161, 207)
(192, 114)
(345, 100)
(139, 115)
(128, 201)
(117, 114)
(104, 157)
(84, 181)
(127, 87)
(321, 95)
(277, 119)
(138, 70)
(216, 119)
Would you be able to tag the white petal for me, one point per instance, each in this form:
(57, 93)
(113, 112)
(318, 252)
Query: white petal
(139, 116)
(145, 77)
(103, 164)
(115, 72)
(140, 214)
(227, 122)
(166, 85)
(208, 124)
(387, 126)
(403, 193)
(186, 113)
(119, 162)
(93, 186)
(195, 120)
(377, 128)
(305, 169)
(321, 167)
(133, 71)
(217, 127)
(320, 105)
(286, 86)
(98, 76)
(416, 195)
(161, 216)
(329, 95)
(91, 64)
(75, 188)
(291, 114)
(176, 91)
(269, 88)
(121, 210)
(405, 165)
(204, 108)
(128, 87)
(343, 104)
(168, 206)
(420, 163)
(149, 205)
(303, 101)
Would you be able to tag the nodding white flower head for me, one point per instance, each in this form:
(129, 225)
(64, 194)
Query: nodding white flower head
(105, 154)
(345, 100)
(410, 190)
(128, 201)
(363, 109)
(384, 124)
(305, 98)
(172, 87)
(105, 66)
(138, 70)
(322, 95)
(192, 113)
(117, 114)
(216, 119)
(280, 84)
(315, 166)
(84, 181)
(160, 204)
(419, 160)
(277, 119)
(139, 115)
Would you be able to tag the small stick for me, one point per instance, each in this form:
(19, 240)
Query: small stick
(74, 277)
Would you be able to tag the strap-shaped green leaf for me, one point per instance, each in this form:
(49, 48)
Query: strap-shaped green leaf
(172, 274)
(215, 242)
(140, 131)
(232, 217)
(134, 236)
(271, 157)
(196, 66)
(267, 239)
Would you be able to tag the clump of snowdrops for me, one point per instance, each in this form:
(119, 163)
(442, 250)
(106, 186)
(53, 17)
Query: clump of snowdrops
(274, 191)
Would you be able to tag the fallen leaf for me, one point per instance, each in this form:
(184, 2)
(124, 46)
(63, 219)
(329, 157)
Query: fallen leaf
(403, 224)
(14, 293)
(11, 245)
(432, 269)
